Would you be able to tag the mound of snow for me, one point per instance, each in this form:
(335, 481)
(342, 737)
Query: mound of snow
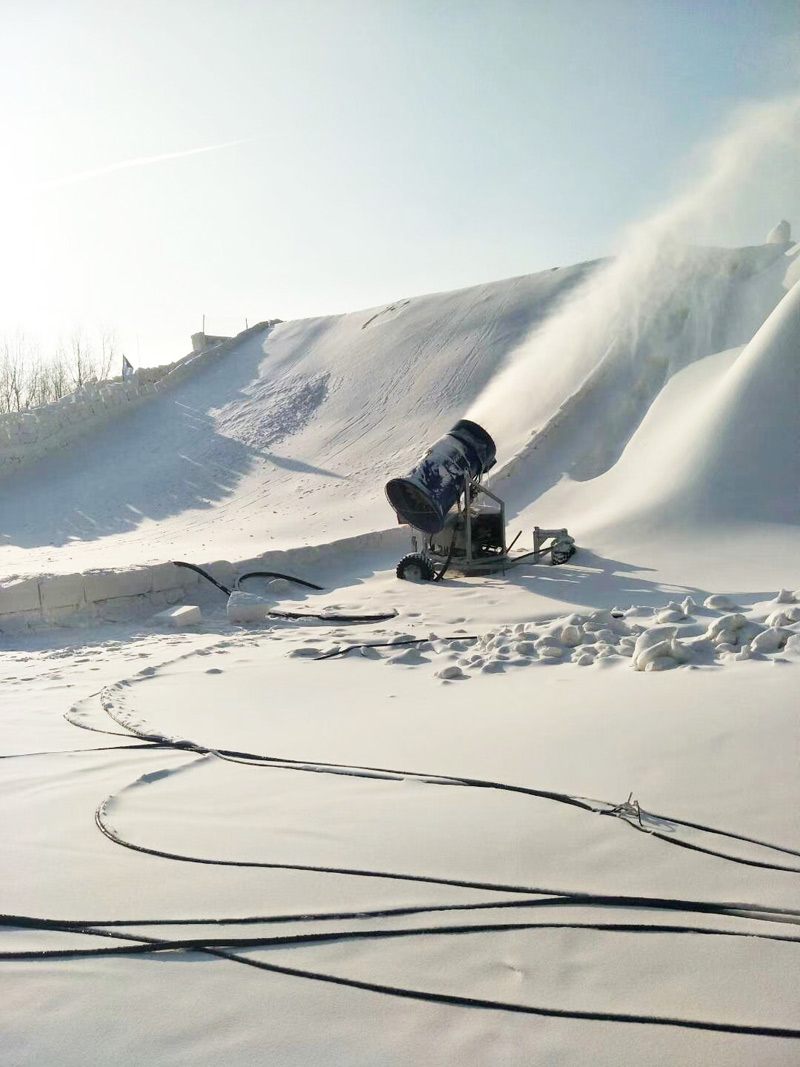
(717, 455)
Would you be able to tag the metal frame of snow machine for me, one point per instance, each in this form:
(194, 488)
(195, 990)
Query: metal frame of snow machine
(472, 540)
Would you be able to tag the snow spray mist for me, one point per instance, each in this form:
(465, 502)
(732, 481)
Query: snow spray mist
(657, 300)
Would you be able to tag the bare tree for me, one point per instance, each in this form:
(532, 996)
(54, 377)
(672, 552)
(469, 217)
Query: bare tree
(12, 371)
(5, 376)
(29, 380)
(35, 379)
(80, 358)
(109, 351)
(58, 374)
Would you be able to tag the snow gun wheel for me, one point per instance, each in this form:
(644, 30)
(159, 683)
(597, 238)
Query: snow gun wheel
(415, 568)
(561, 553)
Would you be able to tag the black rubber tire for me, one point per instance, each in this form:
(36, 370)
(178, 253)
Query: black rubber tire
(561, 553)
(415, 567)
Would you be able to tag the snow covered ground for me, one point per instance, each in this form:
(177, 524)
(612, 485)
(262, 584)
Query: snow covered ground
(541, 817)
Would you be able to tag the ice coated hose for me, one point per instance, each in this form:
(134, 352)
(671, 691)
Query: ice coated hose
(241, 578)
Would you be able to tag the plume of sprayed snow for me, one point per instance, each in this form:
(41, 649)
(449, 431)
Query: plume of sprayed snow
(662, 295)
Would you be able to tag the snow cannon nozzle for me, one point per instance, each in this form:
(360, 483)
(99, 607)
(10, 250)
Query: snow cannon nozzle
(425, 496)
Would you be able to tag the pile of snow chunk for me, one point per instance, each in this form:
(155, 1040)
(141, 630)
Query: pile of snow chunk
(658, 649)
(675, 635)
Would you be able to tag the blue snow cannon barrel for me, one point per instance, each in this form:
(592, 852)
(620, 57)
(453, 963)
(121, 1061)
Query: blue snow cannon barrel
(424, 497)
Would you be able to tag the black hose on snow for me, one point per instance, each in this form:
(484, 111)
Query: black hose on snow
(533, 897)
(276, 574)
(382, 617)
(203, 574)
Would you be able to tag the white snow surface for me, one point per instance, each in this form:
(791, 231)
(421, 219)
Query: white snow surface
(607, 748)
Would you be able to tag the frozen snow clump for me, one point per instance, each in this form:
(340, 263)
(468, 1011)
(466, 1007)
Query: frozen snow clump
(653, 636)
(719, 602)
(449, 674)
(726, 623)
(548, 641)
(525, 648)
(571, 636)
(411, 656)
(771, 640)
(785, 596)
(660, 663)
(400, 639)
(659, 651)
(726, 639)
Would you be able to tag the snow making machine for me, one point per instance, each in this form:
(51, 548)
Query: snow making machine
(461, 522)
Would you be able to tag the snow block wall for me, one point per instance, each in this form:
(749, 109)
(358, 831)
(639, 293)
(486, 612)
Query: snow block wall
(27, 435)
(202, 341)
(111, 595)
(136, 592)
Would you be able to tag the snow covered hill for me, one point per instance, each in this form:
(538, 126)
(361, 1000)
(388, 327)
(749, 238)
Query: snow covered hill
(289, 439)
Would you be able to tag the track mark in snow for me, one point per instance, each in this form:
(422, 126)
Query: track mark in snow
(391, 311)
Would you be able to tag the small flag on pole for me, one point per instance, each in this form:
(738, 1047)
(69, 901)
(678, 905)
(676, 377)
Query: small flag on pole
(127, 369)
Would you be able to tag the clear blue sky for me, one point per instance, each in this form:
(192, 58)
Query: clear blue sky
(388, 147)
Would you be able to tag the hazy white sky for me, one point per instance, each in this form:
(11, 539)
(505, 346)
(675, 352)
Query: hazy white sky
(262, 158)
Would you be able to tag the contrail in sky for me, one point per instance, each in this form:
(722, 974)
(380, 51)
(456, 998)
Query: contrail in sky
(141, 161)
